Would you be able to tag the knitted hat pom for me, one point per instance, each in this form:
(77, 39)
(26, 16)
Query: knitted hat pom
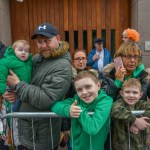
(132, 34)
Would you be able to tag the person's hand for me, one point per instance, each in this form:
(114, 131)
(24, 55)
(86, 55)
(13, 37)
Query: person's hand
(96, 57)
(120, 73)
(12, 79)
(11, 97)
(134, 129)
(66, 134)
(75, 110)
(142, 123)
(3, 136)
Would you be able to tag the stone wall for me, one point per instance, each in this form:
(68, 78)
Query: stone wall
(140, 20)
(5, 27)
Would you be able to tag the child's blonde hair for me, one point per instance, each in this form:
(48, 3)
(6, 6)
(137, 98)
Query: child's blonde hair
(132, 82)
(24, 42)
(87, 74)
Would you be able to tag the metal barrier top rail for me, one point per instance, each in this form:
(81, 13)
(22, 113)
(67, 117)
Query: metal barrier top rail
(48, 114)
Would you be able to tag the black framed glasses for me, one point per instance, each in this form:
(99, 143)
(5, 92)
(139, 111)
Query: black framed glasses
(129, 57)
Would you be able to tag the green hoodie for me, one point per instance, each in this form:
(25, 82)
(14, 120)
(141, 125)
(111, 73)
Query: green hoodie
(21, 68)
(87, 132)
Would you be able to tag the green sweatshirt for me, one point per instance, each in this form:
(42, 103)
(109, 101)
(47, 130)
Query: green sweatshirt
(87, 132)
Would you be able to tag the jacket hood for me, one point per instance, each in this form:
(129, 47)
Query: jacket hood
(9, 51)
(147, 78)
(74, 72)
(63, 48)
(108, 68)
(62, 51)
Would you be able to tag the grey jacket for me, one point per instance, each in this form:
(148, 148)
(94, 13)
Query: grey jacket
(50, 82)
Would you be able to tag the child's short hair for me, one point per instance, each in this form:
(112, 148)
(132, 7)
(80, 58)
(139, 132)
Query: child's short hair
(24, 42)
(86, 74)
(130, 83)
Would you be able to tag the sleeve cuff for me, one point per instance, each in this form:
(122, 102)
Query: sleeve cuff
(132, 120)
(118, 83)
(67, 110)
(15, 88)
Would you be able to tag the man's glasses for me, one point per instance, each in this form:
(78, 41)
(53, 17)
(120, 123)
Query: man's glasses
(80, 59)
(129, 57)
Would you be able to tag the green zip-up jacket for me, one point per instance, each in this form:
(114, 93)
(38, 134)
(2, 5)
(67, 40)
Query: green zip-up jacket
(122, 117)
(21, 68)
(87, 132)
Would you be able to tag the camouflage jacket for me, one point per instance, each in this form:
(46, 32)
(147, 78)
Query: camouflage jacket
(122, 119)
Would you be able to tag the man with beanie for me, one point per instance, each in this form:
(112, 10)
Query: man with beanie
(51, 78)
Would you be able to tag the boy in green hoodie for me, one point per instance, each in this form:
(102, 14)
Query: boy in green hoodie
(87, 131)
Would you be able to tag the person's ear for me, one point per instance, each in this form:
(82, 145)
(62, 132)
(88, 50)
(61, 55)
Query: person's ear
(58, 37)
(121, 93)
(99, 84)
(141, 94)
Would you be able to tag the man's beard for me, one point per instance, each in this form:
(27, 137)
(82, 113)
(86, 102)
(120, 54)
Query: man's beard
(46, 53)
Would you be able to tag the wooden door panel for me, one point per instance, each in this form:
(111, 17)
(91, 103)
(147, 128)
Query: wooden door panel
(78, 18)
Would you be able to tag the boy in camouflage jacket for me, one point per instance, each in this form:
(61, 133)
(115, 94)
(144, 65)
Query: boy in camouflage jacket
(130, 129)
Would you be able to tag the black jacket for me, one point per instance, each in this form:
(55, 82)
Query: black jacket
(112, 90)
(2, 49)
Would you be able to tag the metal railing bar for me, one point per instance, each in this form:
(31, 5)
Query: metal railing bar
(48, 114)
(33, 115)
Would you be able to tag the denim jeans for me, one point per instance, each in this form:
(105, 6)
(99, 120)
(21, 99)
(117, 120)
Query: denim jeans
(15, 105)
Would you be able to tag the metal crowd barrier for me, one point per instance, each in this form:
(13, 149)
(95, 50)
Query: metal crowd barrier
(54, 115)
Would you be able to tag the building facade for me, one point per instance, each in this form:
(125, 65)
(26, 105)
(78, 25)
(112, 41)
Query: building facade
(79, 21)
